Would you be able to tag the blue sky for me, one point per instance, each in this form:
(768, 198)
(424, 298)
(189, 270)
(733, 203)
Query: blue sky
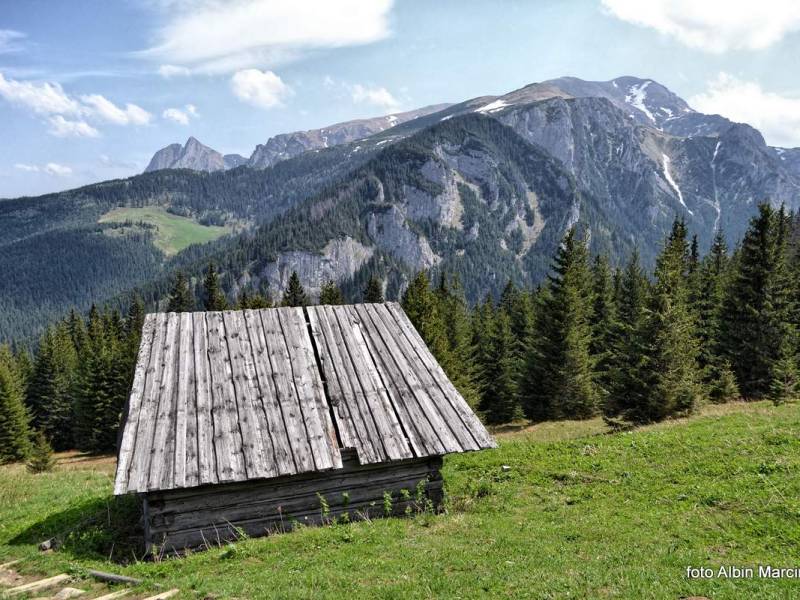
(90, 89)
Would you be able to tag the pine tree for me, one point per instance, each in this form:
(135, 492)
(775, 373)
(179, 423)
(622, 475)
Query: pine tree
(516, 304)
(330, 293)
(14, 431)
(253, 301)
(373, 293)
(181, 298)
(41, 457)
(559, 378)
(669, 331)
(422, 309)
(213, 297)
(499, 395)
(603, 322)
(628, 368)
(756, 333)
(295, 294)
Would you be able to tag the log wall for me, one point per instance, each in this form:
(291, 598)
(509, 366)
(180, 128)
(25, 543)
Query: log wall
(207, 516)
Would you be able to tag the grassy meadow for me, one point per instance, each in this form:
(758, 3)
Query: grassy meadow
(173, 232)
(578, 513)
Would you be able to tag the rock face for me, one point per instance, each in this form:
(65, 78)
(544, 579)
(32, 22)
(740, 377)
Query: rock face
(288, 145)
(193, 155)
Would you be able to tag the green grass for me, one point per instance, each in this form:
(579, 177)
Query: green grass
(579, 514)
(173, 233)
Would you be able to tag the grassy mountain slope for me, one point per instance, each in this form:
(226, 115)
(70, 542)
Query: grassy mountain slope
(579, 514)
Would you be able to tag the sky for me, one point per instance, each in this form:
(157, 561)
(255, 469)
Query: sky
(89, 90)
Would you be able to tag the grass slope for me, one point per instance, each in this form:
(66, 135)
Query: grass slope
(173, 233)
(579, 514)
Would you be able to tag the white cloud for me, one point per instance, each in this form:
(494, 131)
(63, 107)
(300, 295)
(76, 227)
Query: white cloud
(10, 41)
(713, 25)
(57, 170)
(263, 89)
(41, 98)
(61, 127)
(51, 168)
(379, 96)
(225, 36)
(167, 71)
(181, 116)
(100, 107)
(776, 116)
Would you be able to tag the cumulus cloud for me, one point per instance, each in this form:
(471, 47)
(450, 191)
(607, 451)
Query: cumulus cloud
(378, 96)
(61, 127)
(713, 25)
(181, 116)
(68, 115)
(776, 116)
(10, 41)
(51, 168)
(219, 36)
(263, 89)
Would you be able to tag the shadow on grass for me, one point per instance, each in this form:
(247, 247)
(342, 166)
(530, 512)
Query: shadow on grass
(101, 529)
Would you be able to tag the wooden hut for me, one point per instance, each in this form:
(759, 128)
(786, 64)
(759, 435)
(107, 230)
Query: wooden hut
(252, 420)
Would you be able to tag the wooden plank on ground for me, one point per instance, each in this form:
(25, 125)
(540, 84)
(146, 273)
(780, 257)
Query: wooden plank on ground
(276, 427)
(138, 475)
(206, 455)
(424, 430)
(339, 400)
(162, 452)
(256, 443)
(322, 436)
(285, 390)
(466, 416)
(392, 435)
(134, 406)
(227, 435)
(185, 470)
(114, 595)
(163, 595)
(35, 586)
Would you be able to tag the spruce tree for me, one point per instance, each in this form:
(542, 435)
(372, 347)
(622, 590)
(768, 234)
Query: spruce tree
(499, 395)
(213, 298)
(421, 307)
(558, 382)
(41, 457)
(603, 322)
(14, 431)
(330, 293)
(373, 293)
(295, 294)
(181, 298)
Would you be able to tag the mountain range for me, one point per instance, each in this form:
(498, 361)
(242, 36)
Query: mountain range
(483, 188)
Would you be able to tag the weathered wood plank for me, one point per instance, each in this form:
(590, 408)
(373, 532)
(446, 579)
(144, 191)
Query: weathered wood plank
(433, 406)
(467, 417)
(393, 436)
(372, 436)
(227, 435)
(348, 431)
(40, 584)
(162, 451)
(284, 387)
(185, 424)
(133, 409)
(164, 595)
(114, 595)
(276, 427)
(140, 462)
(206, 455)
(309, 388)
(427, 433)
(256, 443)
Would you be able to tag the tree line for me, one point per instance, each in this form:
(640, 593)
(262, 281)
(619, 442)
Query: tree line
(632, 346)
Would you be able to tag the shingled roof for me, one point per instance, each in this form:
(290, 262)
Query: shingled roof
(232, 396)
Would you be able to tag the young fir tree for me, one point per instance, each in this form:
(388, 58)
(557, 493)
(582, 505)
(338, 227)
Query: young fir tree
(14, 430)
(373, 293)
(517, 306)
(255, 300)
(295, 294)
(213, 298)
(41, 457)
(755, 324)
(558, 382)
(498, 401)
(330, 293)
(181, 298)
(603, 322)
(670, 336)
(627, 364)
(421, 307)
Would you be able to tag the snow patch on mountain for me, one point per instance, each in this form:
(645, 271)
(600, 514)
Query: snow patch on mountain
(493, 106)
(672, 184)
(636, 97)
